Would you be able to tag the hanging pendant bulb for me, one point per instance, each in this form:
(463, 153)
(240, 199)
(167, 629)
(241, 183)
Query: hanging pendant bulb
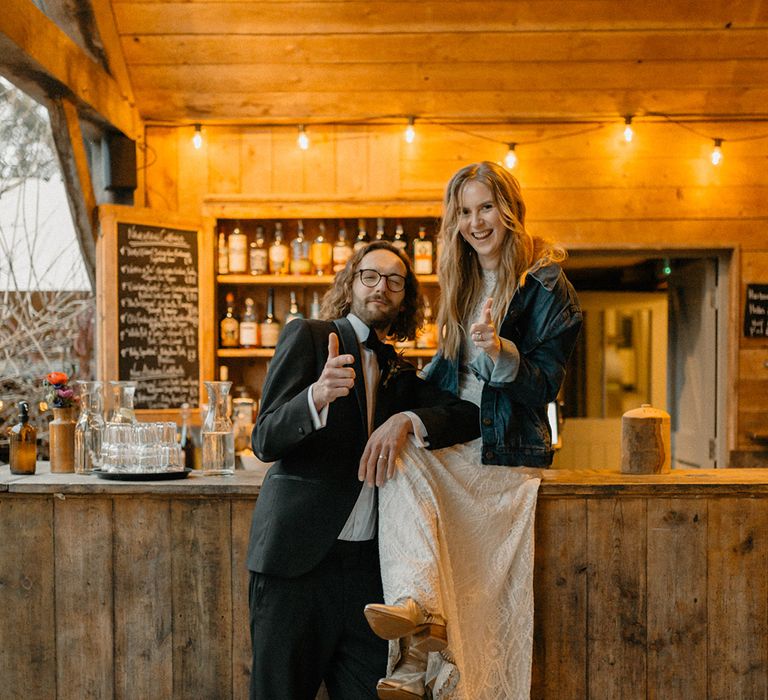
(303, 138)
(510, 160)
(628, 133)
(410, 130)
(717, 152)
(197, 139)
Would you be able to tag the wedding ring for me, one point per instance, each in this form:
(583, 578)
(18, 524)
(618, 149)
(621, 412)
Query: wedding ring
(382, 457)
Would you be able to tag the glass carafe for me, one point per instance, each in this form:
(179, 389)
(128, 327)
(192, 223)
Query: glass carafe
(218, 438)
(121, 410)
(89, 430)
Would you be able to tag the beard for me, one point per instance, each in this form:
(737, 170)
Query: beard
(373, 315)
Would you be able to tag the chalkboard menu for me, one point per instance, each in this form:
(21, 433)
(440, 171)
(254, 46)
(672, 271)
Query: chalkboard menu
(756, 311)
(158, 314)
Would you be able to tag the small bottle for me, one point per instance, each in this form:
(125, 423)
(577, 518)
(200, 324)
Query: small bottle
(428, 336)
(270, 325)
(229, 326)
(380, 229)
(314, 307)
(238, 251)
(258, 257)
(300, 262)
(400, 241)
(279, 256)
(342, 251)
(223, 252)
(362, 239)
(185, 439)
(322, 253)
(249, 329)
(293, 311)
(422, 253)
(23, 442)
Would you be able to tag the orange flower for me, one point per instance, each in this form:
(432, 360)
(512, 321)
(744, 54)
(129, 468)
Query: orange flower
(56, 378)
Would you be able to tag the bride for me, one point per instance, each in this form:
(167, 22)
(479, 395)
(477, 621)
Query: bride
(455, 531)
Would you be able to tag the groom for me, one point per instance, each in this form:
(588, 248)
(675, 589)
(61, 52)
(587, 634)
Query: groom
(337, 408)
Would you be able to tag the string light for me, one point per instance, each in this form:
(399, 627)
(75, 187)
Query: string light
(410, 131)
(303, 138)
(197, 139)
(510, 160)
(628, 133)
(717, 152)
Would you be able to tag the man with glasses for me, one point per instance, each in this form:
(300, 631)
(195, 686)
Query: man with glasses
(337, 408)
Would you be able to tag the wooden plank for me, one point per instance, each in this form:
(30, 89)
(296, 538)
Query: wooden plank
(754, 267)
(737, 592)
(753, 363)
(677, 599)
(143, 599)
(201, 587)
(257, 162)
(224, 168)
(84, 597)
(42, 60)
(162, 171)
(616, 590)
(560, 594)
(242, 510)
(106, 31)
(27, 633)
(73, 159)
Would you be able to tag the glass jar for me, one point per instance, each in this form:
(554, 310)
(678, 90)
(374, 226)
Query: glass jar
(121, 410)
(89, 430)
(217, 435)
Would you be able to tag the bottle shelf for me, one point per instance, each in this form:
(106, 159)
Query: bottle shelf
(295, 280)
(269, 352)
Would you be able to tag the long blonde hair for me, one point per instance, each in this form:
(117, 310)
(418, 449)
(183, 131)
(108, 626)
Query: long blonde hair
(459, 271)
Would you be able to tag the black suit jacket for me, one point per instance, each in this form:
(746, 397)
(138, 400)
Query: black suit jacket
(310, 490)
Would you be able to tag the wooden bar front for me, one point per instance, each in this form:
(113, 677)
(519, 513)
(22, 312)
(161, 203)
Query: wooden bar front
(645, 586)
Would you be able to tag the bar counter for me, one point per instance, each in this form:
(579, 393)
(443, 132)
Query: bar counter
(645, 586)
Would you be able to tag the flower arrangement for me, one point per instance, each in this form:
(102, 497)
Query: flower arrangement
(58, 393)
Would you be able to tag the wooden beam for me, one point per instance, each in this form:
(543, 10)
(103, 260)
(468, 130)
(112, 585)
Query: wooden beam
(42, 60)
(68, 138)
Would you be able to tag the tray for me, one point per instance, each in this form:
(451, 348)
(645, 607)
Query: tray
(141, 476)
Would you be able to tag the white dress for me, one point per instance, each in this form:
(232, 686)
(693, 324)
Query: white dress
(457, 537)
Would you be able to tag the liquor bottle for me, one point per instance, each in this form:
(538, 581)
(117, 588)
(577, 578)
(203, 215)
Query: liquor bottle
(185, 439)
(400, 241)
(23, 443)
(322, 253)
(238, 251)
(422, 253)
(230, 326)
(428, 336)
(342, 251)
(258, 257)
(380, 229)
(362, 239)
(279, 256)
(223, 254)
(300, 263)
(249, 329)
(293, 311)
(314, 307)
(270, 325)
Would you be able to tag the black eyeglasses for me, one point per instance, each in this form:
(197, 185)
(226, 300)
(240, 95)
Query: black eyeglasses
(370, 278)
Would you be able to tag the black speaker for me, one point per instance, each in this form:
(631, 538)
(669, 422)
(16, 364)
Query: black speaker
(119, 161)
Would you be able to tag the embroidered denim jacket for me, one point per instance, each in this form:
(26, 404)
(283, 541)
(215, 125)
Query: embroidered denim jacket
(537, 335)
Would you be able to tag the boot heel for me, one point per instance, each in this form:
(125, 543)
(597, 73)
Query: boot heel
(430, 638)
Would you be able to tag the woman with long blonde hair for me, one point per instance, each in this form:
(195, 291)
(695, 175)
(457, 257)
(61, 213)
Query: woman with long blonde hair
(456, 526)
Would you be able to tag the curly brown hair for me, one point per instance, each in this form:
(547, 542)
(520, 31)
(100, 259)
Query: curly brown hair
(337, 301)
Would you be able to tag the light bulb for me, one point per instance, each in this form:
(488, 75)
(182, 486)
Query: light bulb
(628, 133)
(197, 139)
(510, 160)
(410, 131)
(303, 139)
(717, 152)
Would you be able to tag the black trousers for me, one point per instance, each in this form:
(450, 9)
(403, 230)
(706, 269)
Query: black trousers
(310, 629)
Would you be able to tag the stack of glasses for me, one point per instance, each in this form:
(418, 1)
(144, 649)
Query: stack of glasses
(141, 448)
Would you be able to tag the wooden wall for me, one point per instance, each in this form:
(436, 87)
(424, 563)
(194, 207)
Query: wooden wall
(588, 190)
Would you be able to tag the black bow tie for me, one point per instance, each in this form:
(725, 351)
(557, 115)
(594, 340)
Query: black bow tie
(384, 352)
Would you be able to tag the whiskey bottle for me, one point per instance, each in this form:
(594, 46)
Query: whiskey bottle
(223, 254)
(422, 253)
(23, 443)
(399, 241)
(249, 329)
(342, 251)
(258, 257)
(380, 236)
(300, 262)
(279, 256)
(322, 252)
(238, 251)
(293, 310)
(270, 325)
(428, 336)
(185, 439)
(314, 307)
(229, 326)
(362, 239)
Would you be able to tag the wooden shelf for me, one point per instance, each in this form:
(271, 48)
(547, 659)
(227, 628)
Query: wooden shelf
(295, 280)
(269, 352)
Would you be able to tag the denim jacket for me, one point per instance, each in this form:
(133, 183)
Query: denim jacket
(537, 336)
